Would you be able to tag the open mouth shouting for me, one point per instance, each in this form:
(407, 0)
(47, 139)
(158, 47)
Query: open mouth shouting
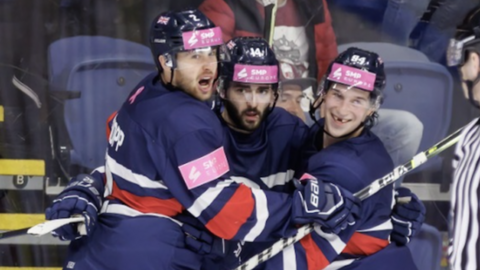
(251, 116)
(205, 84)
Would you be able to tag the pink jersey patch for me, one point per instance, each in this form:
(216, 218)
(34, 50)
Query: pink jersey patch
(255, 74)
(202, 38)
(352, 77)
(205, 169)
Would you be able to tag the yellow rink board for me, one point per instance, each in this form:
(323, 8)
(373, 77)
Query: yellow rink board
(29, 268)
(19, 221)
(34, 167)
(1, 114)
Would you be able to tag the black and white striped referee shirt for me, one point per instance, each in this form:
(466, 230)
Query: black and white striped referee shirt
(464, 248)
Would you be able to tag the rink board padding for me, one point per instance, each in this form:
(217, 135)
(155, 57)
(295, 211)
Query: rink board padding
(22, 167)
(19, 221)
(32, 256)
(21, 182)
(20, 209)
(30, 268)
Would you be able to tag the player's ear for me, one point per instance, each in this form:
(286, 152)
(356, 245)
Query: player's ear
(471, 68)
(165, 61)
(475, 58)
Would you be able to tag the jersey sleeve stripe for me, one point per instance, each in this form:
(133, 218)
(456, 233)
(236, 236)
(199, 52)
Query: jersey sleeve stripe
(207, 198)
(278, 179)
(339, 264)
(261, 212)
(134, 178)
(386, 225)
(119, 209)
(141, 192)
(145, 204)
(234, 214)
(362, 244)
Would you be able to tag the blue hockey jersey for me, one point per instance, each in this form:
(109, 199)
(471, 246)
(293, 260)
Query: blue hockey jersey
(352, 164)
(169, 154)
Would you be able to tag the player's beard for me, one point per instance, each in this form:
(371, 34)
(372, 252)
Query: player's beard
(236, 116)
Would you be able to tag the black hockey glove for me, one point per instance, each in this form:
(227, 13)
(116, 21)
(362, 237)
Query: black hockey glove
(407, 216)
(81, 197)
(326, 204)
(219, 253)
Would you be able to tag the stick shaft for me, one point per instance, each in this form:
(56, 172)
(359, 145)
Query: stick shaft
(364, 193)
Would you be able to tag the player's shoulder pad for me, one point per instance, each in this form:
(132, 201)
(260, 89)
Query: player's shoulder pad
(191, 116)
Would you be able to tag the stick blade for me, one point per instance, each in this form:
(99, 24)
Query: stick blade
(51, 225)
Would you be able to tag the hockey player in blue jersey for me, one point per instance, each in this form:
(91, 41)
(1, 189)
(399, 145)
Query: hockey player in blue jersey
(270, 162)
(166, 162)
(272, 166)
(351, 156)
(270, 148)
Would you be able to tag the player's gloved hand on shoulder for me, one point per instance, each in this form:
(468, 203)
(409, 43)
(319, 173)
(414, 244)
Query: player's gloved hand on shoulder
(82, 196)
(326, 204)
(407, 216)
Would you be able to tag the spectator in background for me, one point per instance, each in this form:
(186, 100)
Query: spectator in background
(294, 92)
(304, 39)
(303, 31)
(442, 27)
(377, 20)
(400, 18)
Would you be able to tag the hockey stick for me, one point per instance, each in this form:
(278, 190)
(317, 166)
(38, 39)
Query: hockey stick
(43, 228)
(363, 194)
(270, 8)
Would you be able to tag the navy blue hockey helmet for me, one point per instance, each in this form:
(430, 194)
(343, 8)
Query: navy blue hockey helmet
(176, 31)
(248, 60)
(357, 68)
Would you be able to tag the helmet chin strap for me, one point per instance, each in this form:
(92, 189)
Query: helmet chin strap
(346, 135)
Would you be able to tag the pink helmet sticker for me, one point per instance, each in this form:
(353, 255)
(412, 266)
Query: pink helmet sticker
(352, 76)
(255, 74)
(202, 38)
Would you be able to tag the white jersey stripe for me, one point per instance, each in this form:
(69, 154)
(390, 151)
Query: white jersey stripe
(278, 179)
(262, 215)
(387, 225)
(134, 178)
(207, 198)
(339, 264)
(335, 241)
(289, 259)
(124, 210)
